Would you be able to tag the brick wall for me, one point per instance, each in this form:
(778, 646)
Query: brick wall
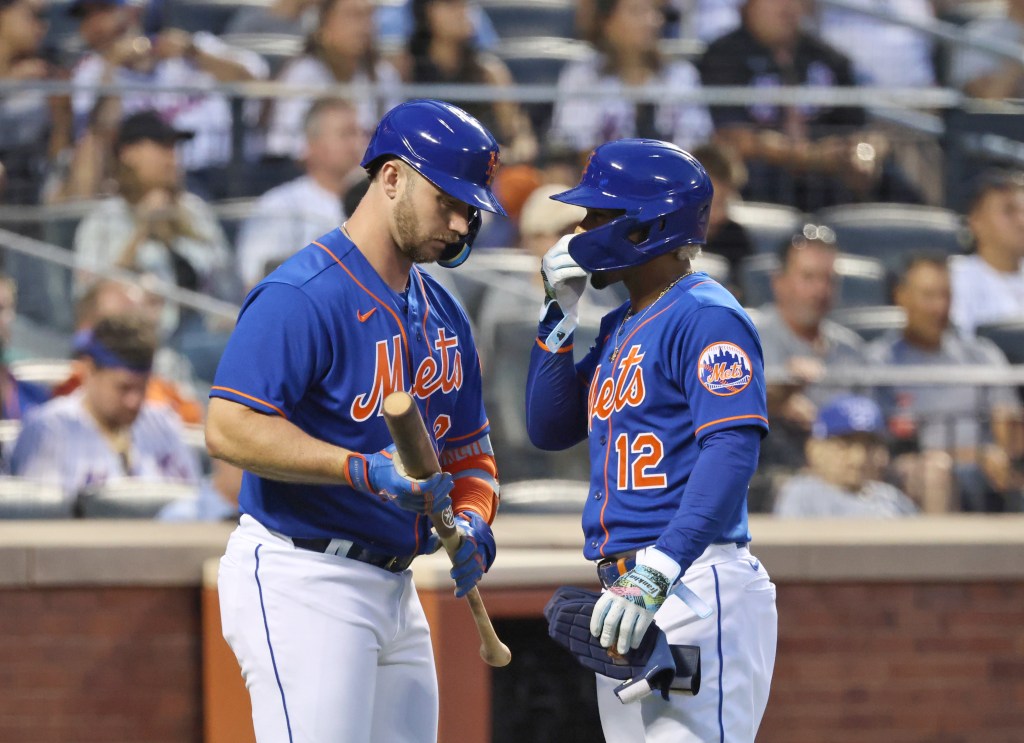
(79, 665)
(898, 663)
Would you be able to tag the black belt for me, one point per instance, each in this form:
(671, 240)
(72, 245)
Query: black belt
(346, 548)
(611, 569)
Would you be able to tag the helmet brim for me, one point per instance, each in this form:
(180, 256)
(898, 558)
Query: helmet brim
(592, 198)
(464, 191)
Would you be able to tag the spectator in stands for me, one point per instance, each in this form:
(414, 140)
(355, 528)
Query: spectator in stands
(106, 430)
(217, 499)
(807, 156)
(976, 425)
(982, 74)
(394, 22)
(988, 286)
(153, 226)
(883, 53)
(172, 382)
(118, 54)
(34, 128)
(341, 51)
(16, 397)
(442, 50)
(626, 55)
(291, 215)
(285, 17)
(846, 458)
(725, 237)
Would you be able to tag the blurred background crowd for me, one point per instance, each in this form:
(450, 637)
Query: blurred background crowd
(159, 157)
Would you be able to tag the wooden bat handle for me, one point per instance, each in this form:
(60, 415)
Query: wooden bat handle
(420, 461)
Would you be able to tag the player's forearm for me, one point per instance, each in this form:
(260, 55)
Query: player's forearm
(271, 446)
(555, 408)
(716, 489)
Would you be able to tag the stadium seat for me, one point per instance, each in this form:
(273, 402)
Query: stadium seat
(768, 225)
(539, 61)
(47, 372)
(544, 496)
(26, 499)
(870, 322)
(202, 15)
(893, 232)
(276, 49)
(515, 18)
(862, 281)
(231, 213)
(1008, 335)
(130, 498)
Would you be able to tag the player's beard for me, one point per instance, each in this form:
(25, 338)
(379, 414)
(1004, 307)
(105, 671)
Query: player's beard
(411, 242)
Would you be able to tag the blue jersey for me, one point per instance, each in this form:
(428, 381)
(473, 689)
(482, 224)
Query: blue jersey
(322, 341)
(653, 387)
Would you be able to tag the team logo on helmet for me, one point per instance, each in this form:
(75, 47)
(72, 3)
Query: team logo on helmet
(724, 369)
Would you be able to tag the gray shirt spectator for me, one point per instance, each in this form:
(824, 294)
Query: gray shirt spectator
(983, 74)
(810, 496)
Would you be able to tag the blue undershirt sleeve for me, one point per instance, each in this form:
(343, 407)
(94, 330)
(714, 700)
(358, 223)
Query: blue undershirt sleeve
(716, 490)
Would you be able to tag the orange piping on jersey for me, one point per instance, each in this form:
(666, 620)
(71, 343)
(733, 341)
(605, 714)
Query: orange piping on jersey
(733, 418)
(468, 435)
(607, 493)
(250, 397)
(563, 349)
(634, 331)
(700, 283)
(401, 328)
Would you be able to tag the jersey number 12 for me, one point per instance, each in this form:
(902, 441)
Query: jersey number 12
(647, 452)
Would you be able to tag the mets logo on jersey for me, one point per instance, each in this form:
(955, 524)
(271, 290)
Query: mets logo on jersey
(724, 369)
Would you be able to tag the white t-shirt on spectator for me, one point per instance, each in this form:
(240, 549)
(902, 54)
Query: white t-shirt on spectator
(207, 115)
(808, 496)
(584, 123)
(981, 294)
(61, 444)
(285, 219)
(285, 135)
(883, 53)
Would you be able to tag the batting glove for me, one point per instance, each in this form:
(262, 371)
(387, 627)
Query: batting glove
(381, 474)
(564, 283)
(625, 611)
(476, 553)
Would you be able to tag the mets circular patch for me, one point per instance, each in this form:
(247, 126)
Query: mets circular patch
(724, 369)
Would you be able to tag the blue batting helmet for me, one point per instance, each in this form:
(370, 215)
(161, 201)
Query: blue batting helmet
(449, 148)
(664, 192)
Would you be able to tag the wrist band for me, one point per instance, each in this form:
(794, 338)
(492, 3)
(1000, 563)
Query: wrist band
(357, 472)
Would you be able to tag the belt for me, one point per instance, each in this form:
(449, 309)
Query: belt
(611, 569)
(353, 551)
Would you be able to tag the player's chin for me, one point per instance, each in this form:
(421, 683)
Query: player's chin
(427, 252)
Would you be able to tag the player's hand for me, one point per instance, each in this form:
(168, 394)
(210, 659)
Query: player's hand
(625, 611)
(564, 280)
(476, 554)
(382, 474)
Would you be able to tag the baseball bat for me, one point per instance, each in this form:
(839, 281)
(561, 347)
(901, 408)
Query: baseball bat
(420, 461)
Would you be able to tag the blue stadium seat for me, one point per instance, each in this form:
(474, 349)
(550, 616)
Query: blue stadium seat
(276, 49)
(202, 15)
(871, 322)
(893, 232)
(768, 225)
(27, 499)
(862, 281)
(514, 18)
(1009, 336)
(539, 60)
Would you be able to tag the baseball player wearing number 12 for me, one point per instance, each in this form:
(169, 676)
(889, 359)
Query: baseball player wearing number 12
(316, 597)
(672, 399)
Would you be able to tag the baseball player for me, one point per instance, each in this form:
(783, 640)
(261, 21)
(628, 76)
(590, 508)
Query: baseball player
(672, 399)
(317, 600)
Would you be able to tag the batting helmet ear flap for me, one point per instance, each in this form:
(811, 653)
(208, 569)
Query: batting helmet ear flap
(456, 253)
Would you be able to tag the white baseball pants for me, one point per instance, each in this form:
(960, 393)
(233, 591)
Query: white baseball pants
(332, 650)
(737, 654)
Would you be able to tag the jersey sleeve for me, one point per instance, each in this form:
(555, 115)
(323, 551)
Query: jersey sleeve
(279, 348)
(721, 369)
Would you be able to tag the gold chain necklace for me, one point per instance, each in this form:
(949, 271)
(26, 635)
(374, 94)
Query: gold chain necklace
(629, 314)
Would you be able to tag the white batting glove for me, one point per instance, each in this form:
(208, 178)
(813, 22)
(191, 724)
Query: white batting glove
(625, 611)
(564, 283)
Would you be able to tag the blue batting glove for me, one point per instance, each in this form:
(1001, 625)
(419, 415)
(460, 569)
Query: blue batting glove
(625, 611)
(379, 474)
(476, 553)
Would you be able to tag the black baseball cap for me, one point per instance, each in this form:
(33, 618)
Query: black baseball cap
(148, 125)
(76, 8)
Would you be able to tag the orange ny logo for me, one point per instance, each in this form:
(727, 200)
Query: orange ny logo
(492, 167)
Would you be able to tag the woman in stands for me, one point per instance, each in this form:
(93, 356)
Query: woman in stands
(442, 50)
(625, 36)
(341, 51)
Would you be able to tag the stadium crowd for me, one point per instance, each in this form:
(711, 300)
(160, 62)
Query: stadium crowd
(830, 221)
